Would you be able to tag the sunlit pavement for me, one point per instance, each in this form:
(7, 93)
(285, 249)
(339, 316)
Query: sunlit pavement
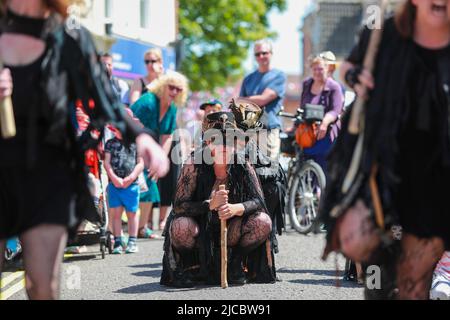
(136, 276)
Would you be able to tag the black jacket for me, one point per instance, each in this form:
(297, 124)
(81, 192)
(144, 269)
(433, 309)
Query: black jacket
(71, 71)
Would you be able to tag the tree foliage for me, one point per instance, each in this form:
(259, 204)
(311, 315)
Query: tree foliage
(216, 36)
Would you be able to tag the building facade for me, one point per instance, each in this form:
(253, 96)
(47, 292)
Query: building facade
(127, 29)
(334, 26)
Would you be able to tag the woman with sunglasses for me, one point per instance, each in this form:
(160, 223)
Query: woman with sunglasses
(157, 111)
(193, 237)
(153, 60)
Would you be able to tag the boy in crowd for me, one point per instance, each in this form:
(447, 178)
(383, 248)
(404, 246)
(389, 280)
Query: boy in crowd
(123, 167)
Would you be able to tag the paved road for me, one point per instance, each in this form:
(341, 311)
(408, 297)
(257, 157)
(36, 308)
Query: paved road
(303, 274)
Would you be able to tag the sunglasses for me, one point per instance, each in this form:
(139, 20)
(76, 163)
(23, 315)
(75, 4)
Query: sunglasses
(263, 53)
(175, 88)
(151, 61)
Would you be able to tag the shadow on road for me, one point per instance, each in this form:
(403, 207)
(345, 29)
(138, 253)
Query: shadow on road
(82, 257)
(148, 266)
(315, 272)
(149, 273)
(154, 287)
(327, 282)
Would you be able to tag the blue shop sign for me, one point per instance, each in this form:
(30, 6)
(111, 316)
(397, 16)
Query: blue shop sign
(128, 58)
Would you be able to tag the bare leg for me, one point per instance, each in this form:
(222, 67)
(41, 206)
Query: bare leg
(146, 209)
(183, 233)
(359, 273)
(43, 249)
(133, 222)
(116, 214)
(416, 266)
(162, 216)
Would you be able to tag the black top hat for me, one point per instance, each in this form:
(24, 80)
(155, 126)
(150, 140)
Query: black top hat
(220, 121)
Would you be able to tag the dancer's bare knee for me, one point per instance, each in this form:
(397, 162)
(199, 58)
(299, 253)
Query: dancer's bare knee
(42, 289)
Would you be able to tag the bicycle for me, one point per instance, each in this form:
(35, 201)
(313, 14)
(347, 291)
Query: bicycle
(306, 179)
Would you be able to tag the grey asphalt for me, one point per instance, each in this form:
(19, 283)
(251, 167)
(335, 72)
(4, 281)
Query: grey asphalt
(136, 277)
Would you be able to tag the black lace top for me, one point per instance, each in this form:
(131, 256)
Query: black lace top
(197, 181)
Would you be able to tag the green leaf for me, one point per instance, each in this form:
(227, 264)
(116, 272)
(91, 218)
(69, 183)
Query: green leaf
(218, 34)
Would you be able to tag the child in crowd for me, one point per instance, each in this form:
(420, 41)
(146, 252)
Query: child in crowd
(440, 289)
(123, 167)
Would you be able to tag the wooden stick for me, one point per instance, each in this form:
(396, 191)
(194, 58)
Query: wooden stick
(357, 117)
(223, 249)
(269, 253)
(376, 199)
(356, 123)
(7, 122)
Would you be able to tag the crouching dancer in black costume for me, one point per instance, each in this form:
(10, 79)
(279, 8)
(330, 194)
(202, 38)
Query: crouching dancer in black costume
(192, 246)
(270, 173)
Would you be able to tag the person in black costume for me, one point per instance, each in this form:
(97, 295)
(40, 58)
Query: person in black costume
(407, 139)
(50, 66)
(270, 173)
(192, 245)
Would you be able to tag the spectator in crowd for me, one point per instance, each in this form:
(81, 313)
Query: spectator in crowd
(211, 106)
(266, 88)
(157, 111)
(440, 288)
(320, 89)
(123, 167)
(119, 86)
(153, 59)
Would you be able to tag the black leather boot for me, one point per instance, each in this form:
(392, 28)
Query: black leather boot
(183, 277)
(236, 274)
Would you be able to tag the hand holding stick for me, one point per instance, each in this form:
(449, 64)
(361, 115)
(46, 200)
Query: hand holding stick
(7, 122)
(223, 249)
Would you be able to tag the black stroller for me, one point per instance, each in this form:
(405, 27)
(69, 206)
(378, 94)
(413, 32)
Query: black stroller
(95, 232)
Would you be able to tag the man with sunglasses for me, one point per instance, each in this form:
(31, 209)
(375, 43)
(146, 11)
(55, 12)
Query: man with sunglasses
(120, 87)
(266, 88)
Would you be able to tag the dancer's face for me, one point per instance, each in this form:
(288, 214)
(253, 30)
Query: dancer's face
(433, 13)
(221, 151)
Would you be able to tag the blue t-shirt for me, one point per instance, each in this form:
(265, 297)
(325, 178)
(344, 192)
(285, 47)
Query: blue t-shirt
(255, 84)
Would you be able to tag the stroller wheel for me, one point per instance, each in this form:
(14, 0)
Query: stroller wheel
(8, 255)
(103, 250)
(109, 242)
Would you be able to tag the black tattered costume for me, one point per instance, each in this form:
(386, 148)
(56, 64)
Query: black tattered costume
(197, 181)
(42, 176)
(407, 136)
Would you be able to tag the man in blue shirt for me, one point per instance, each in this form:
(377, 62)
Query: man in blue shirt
(266, 87)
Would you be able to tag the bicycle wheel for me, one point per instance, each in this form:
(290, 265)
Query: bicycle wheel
(307, 185)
